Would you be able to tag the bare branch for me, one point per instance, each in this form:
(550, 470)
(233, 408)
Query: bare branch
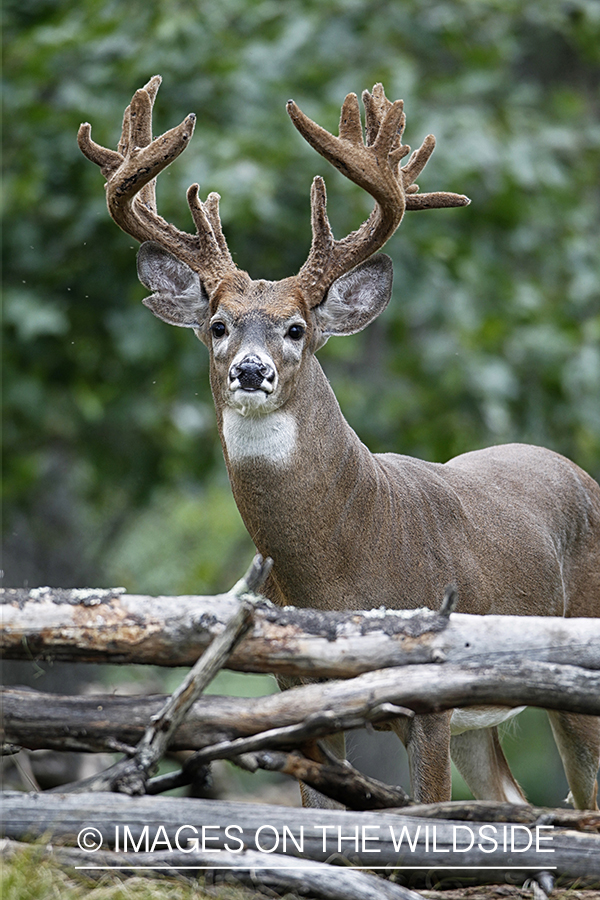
(336, 779)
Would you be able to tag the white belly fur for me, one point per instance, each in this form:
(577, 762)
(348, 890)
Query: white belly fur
(271, 436)
(470, 718)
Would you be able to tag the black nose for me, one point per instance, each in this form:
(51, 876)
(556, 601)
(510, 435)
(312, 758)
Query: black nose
(251, 372)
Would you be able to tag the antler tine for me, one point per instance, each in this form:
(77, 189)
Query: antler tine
(350, 124)
(131, 173)
(322, 235)
(376, 105)
(214, 217)
(374, 165)
(319, 219)
(143, 137)
(208, 225)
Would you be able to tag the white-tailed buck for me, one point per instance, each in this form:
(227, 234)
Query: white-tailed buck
(516, 528)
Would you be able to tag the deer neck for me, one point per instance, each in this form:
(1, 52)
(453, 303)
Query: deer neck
(293, 474)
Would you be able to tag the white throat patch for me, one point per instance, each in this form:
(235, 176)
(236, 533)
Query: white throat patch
(271, 437)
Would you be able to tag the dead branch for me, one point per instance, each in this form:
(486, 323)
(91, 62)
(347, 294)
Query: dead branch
(133, 773)
(335, 778)
(130, 775)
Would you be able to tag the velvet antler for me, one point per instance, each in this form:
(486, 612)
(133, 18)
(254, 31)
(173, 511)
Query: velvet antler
(130, 174)
(373, 163)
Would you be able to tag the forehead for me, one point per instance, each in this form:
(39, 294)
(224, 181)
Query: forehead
(275, 299)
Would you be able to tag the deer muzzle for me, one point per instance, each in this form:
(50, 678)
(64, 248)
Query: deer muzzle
(252, 374)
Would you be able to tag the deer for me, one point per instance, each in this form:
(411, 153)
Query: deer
(516, 528)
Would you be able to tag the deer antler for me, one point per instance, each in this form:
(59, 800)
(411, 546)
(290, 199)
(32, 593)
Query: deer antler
(374, 165)
(130, 174)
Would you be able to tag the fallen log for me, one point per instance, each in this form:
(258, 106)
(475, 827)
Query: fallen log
(112, 626)
(107, 722)
(378, 841)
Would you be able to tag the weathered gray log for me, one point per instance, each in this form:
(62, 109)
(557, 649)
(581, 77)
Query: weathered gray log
(112, 626)
(375, 840)
(108, 626)
(248, 868)
(107, 722)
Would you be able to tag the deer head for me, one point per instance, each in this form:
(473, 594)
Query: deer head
(259, 333)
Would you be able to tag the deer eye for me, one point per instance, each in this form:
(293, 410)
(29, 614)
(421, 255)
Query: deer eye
(218, 329)
(295, 332)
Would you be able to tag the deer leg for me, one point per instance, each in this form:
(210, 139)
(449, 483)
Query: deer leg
(479, 758)
(578, 740)
(427, 742)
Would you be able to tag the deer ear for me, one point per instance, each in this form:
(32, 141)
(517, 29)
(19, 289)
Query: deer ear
(179, 297)
(355, 299)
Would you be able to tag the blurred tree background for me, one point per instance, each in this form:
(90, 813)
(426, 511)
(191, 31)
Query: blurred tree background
(113, 469)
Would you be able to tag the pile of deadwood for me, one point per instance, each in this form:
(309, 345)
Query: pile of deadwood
(379, 664)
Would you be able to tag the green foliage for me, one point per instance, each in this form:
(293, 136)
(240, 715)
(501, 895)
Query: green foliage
(204, 529)
(493, 333)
